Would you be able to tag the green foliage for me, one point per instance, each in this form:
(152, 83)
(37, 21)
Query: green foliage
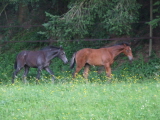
(138, 70)
(116, 17)
(92, 19)
(59, 29)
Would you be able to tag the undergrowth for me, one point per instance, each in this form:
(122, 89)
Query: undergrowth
(137, 71)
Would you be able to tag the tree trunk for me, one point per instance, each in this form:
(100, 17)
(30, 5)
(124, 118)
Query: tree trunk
(22, 12)
(151, 32)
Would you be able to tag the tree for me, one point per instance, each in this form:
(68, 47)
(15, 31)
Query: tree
(156, 10)
(93, 19)
(20, 5)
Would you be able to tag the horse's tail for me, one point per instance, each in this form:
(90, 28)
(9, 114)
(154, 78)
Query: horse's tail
(15, 65)
(72, 63)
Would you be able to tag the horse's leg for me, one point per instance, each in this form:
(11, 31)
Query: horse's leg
(17, 69)
(80, 64)
(86, 70)
(108, 70)
(15, 74)
(26, 70)
(76, 71)
(51, 72)
(38, 74)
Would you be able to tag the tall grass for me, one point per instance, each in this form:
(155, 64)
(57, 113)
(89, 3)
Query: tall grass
(79, 101)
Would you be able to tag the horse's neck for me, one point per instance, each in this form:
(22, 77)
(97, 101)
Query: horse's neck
(51, 54)
(116, 50)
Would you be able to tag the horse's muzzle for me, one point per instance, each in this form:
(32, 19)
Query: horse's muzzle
(66, 61)
(130, 57)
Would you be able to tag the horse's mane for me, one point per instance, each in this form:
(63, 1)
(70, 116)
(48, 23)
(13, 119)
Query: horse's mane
(126, 43)
(49, 47)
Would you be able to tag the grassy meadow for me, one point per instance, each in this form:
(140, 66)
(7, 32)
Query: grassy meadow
(76, 100)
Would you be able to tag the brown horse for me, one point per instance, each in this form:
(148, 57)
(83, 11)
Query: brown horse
(98, 57)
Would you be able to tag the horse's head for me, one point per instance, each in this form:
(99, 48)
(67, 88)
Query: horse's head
(62, 55)
(56, 52)
(128, 51)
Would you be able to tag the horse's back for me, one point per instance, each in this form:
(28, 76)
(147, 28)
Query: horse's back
(35, 54)
(92, 52)
(27, 54)
(22, 55)
(29, 58)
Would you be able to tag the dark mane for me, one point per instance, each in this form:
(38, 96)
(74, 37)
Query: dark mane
(49, 47)
(128, 44)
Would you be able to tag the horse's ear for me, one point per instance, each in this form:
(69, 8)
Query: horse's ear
(127, 44)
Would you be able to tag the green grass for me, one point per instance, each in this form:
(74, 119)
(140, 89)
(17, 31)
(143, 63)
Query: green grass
(79, 101)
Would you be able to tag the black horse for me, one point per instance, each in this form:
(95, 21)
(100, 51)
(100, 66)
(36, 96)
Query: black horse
(40, 59)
